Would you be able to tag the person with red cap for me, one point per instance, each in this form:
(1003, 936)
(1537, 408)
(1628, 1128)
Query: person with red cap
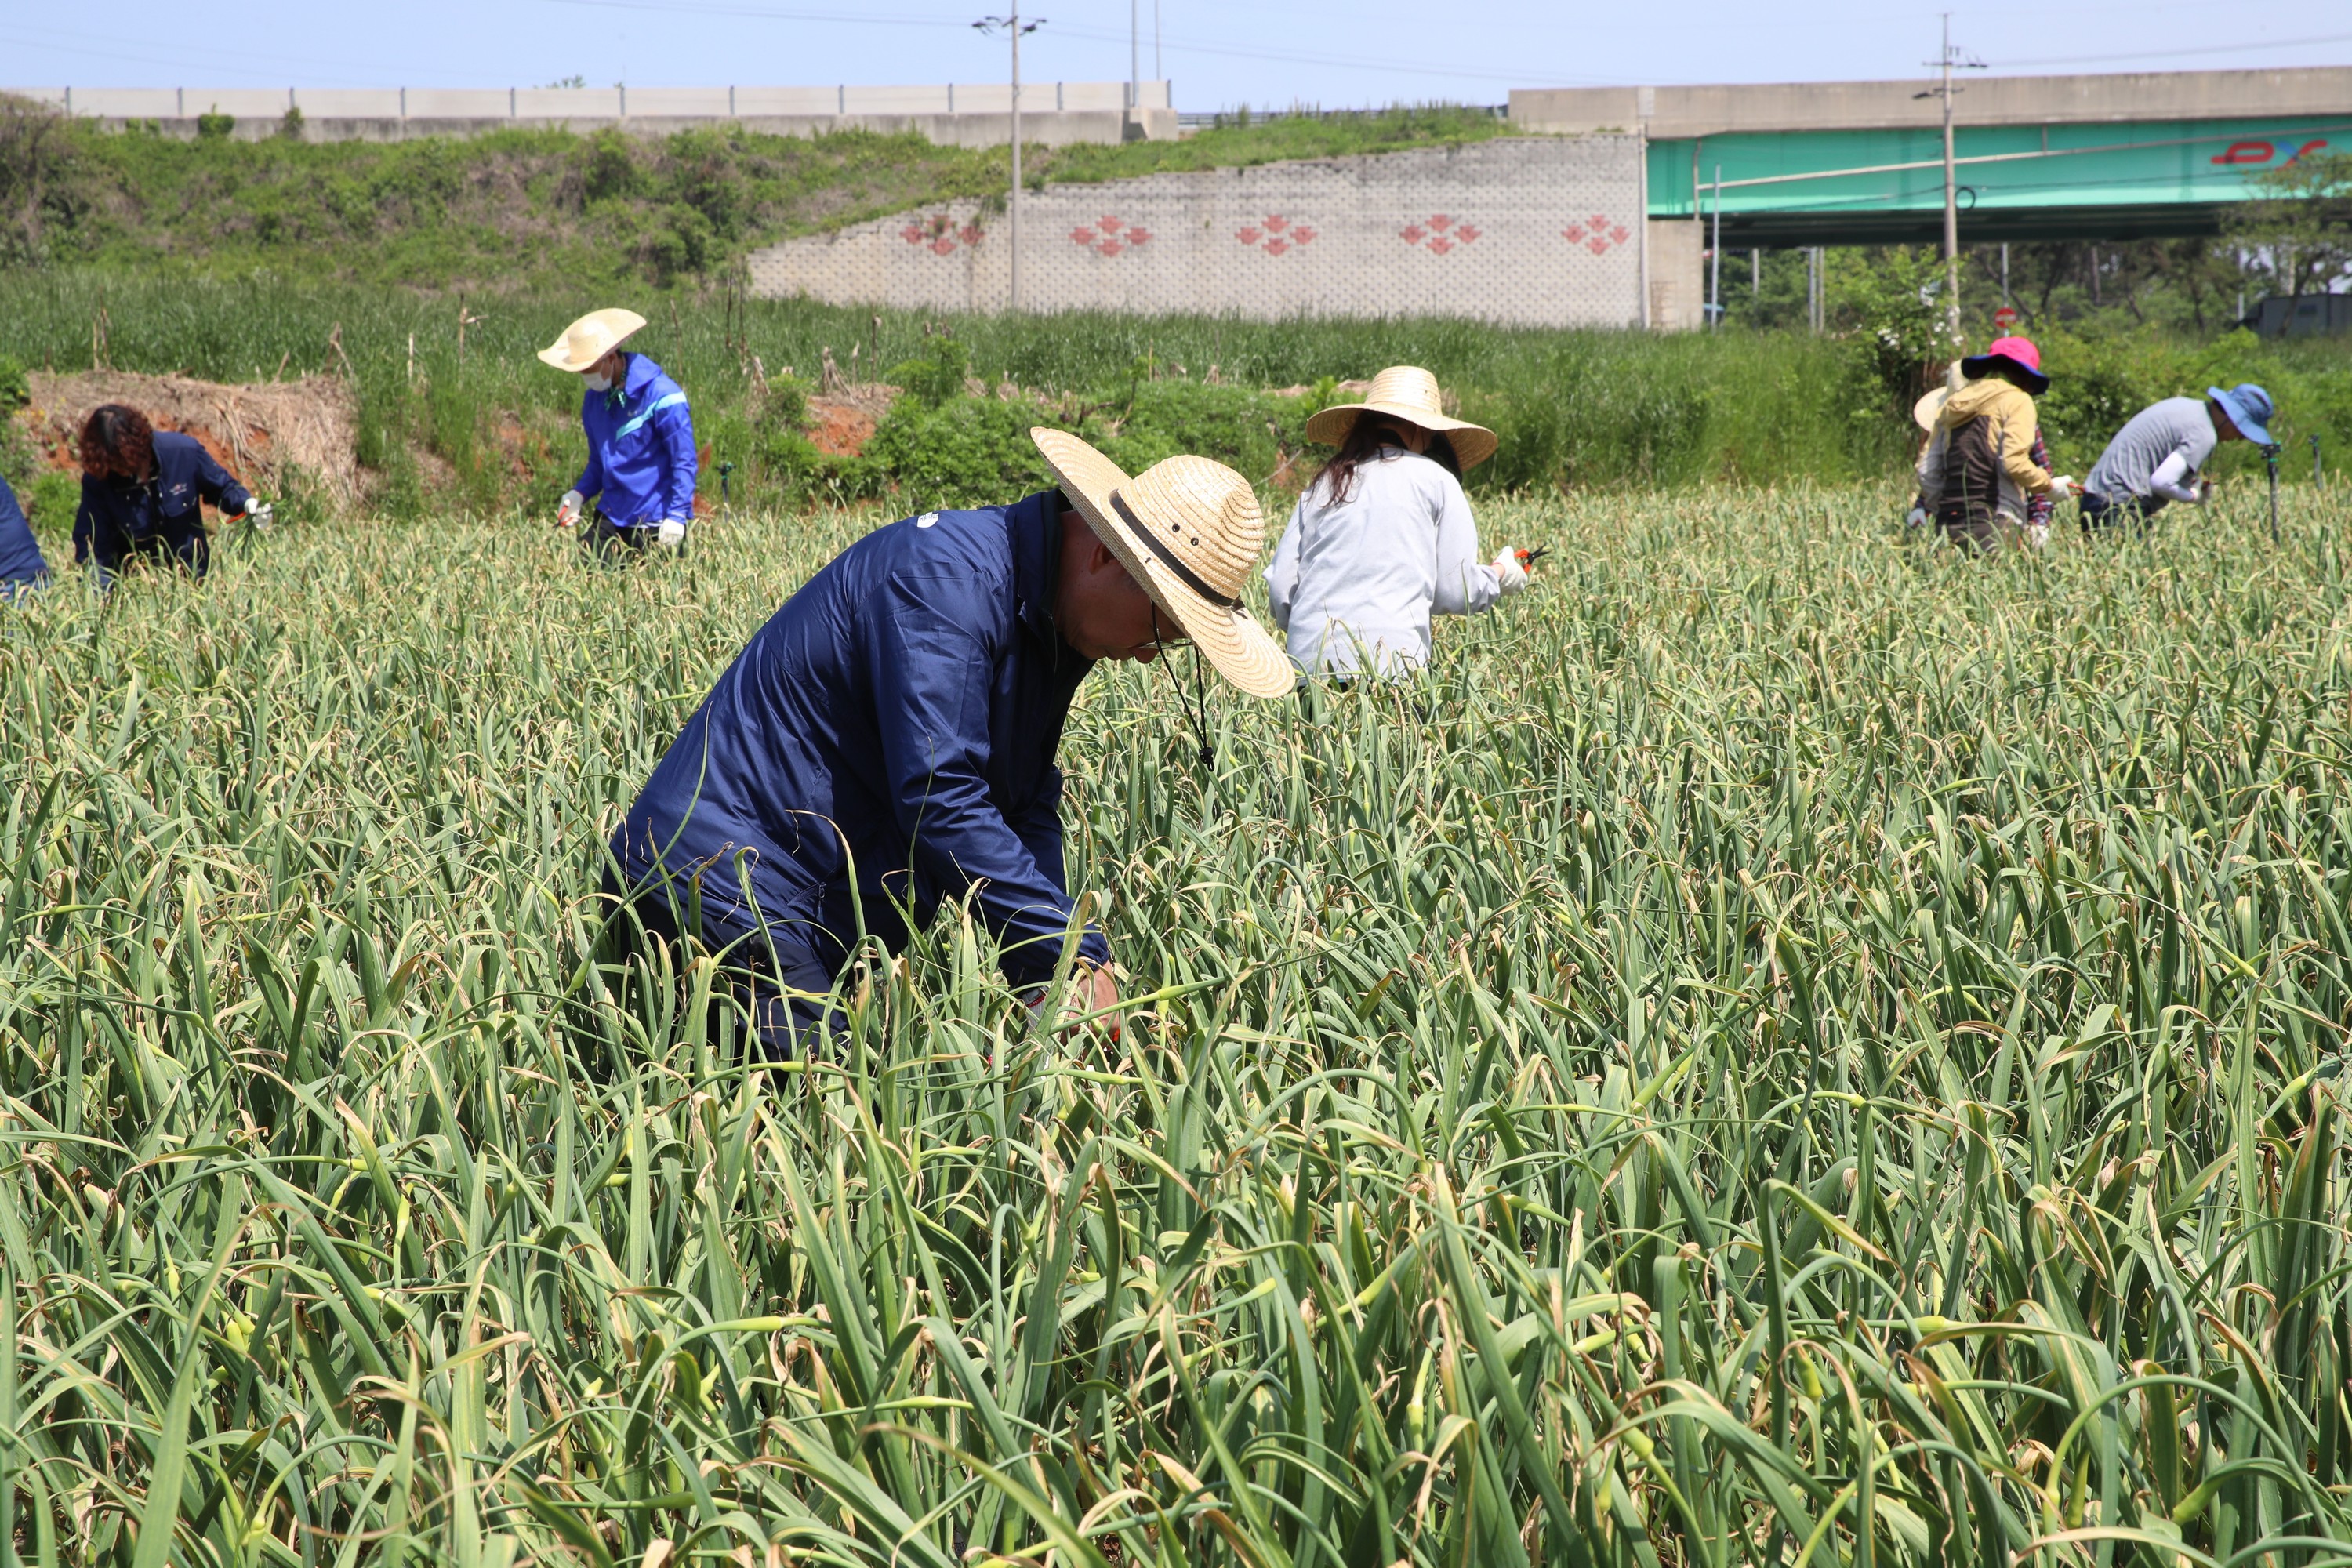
(1977, 478)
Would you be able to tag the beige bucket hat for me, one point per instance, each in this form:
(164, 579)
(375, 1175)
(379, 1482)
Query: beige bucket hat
(1409, 393)
(1189, 529)
(590, 339)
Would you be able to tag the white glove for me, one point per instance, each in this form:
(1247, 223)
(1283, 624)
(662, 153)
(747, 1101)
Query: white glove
(1508, 573)
(1915, 518)
(669, 534)
(567, 510)
(261, 515)
(2065, 485)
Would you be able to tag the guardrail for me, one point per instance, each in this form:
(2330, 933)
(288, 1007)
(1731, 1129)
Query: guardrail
(1217, 119)
(577, 103)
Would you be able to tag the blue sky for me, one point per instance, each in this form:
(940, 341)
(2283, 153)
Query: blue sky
(1219, 53)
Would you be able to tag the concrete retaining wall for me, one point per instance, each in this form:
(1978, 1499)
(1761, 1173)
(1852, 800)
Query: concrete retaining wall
(1538, 232)
(954, 114)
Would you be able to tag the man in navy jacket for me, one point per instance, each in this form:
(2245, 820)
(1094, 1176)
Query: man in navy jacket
(641, 458)
(141, 490)
(23, 567)
(887, 740)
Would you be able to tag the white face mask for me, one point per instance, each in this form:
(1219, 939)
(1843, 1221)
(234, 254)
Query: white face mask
(598, 383)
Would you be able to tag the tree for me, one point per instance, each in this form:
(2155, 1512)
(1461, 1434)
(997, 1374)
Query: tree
(2299, 225)
(34, 158)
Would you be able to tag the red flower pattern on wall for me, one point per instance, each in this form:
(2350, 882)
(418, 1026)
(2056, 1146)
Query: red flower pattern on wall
(1439, 234)
(1277, 234)
(940, 235)
(1596, 233)
(1111, 236)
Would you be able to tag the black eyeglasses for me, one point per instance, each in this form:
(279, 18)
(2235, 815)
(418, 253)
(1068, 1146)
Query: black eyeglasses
(1159, 643)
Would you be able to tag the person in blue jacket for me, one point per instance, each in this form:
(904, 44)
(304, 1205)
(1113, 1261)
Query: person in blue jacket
(22, 568)
(141, 490)
(887, 741)
(641, 457)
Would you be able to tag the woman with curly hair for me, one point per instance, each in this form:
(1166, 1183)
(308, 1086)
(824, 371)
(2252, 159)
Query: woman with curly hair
(141, 488)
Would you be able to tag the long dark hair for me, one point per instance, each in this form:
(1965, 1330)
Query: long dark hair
(1372, 432)
(117, 442)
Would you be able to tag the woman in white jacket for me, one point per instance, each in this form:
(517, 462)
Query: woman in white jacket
(1383, 538)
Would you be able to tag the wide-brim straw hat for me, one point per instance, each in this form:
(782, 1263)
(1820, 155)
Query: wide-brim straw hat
(1189, 529)
(590, 339)
(1925, 411)
(1409, 393)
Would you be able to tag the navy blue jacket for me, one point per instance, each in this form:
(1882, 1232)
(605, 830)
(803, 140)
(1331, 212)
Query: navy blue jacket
(641, 456)
(115, 511)
(889, 732)
(21, 561)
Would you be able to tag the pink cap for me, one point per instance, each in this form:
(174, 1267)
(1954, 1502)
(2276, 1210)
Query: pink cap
(2021, 350)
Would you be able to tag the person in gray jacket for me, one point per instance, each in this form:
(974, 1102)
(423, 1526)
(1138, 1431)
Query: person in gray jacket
(2157, 456)
(1383, 538)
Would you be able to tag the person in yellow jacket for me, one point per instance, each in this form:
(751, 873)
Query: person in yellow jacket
(1977, 478)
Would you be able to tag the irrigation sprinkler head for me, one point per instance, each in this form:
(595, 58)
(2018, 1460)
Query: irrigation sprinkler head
(2270, 461)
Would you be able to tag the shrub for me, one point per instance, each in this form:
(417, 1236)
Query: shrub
(679, 241)
(967, 451)
(1241, 428)
(50, 499)
(608, 166)
(938, 376)
(1903, 338)
(214, 126)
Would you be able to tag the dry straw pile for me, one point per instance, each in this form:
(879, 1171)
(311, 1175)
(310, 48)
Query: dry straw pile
(267, 432)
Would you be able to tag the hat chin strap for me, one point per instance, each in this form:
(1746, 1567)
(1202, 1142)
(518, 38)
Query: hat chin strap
(1198, 710)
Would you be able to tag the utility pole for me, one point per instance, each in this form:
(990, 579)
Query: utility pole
(1135, 54)
(1715, 260)
(1950, 59)
(1015, 27)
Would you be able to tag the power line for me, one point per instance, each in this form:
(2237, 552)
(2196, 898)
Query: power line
(2175, 53)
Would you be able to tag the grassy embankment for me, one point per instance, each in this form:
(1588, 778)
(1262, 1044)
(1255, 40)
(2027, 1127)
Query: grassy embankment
(522, 210)
(1791, 1047)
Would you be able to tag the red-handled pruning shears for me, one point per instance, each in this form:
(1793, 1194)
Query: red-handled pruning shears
(1529, 557)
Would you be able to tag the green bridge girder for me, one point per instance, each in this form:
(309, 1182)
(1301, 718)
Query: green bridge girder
(2131, 180)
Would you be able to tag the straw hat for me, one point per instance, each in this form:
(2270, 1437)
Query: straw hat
(1190, 530)
(1925, 411)
(590, 339)
(1409, 393)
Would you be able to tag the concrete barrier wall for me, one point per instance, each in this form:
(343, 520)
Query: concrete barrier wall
(1543, 232)
(956, 114)
(1706, 110)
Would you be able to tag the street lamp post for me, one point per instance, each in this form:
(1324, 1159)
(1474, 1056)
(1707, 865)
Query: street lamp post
(1014, 26)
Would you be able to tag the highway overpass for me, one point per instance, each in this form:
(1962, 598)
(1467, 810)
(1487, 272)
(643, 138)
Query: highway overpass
(2081, 157)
